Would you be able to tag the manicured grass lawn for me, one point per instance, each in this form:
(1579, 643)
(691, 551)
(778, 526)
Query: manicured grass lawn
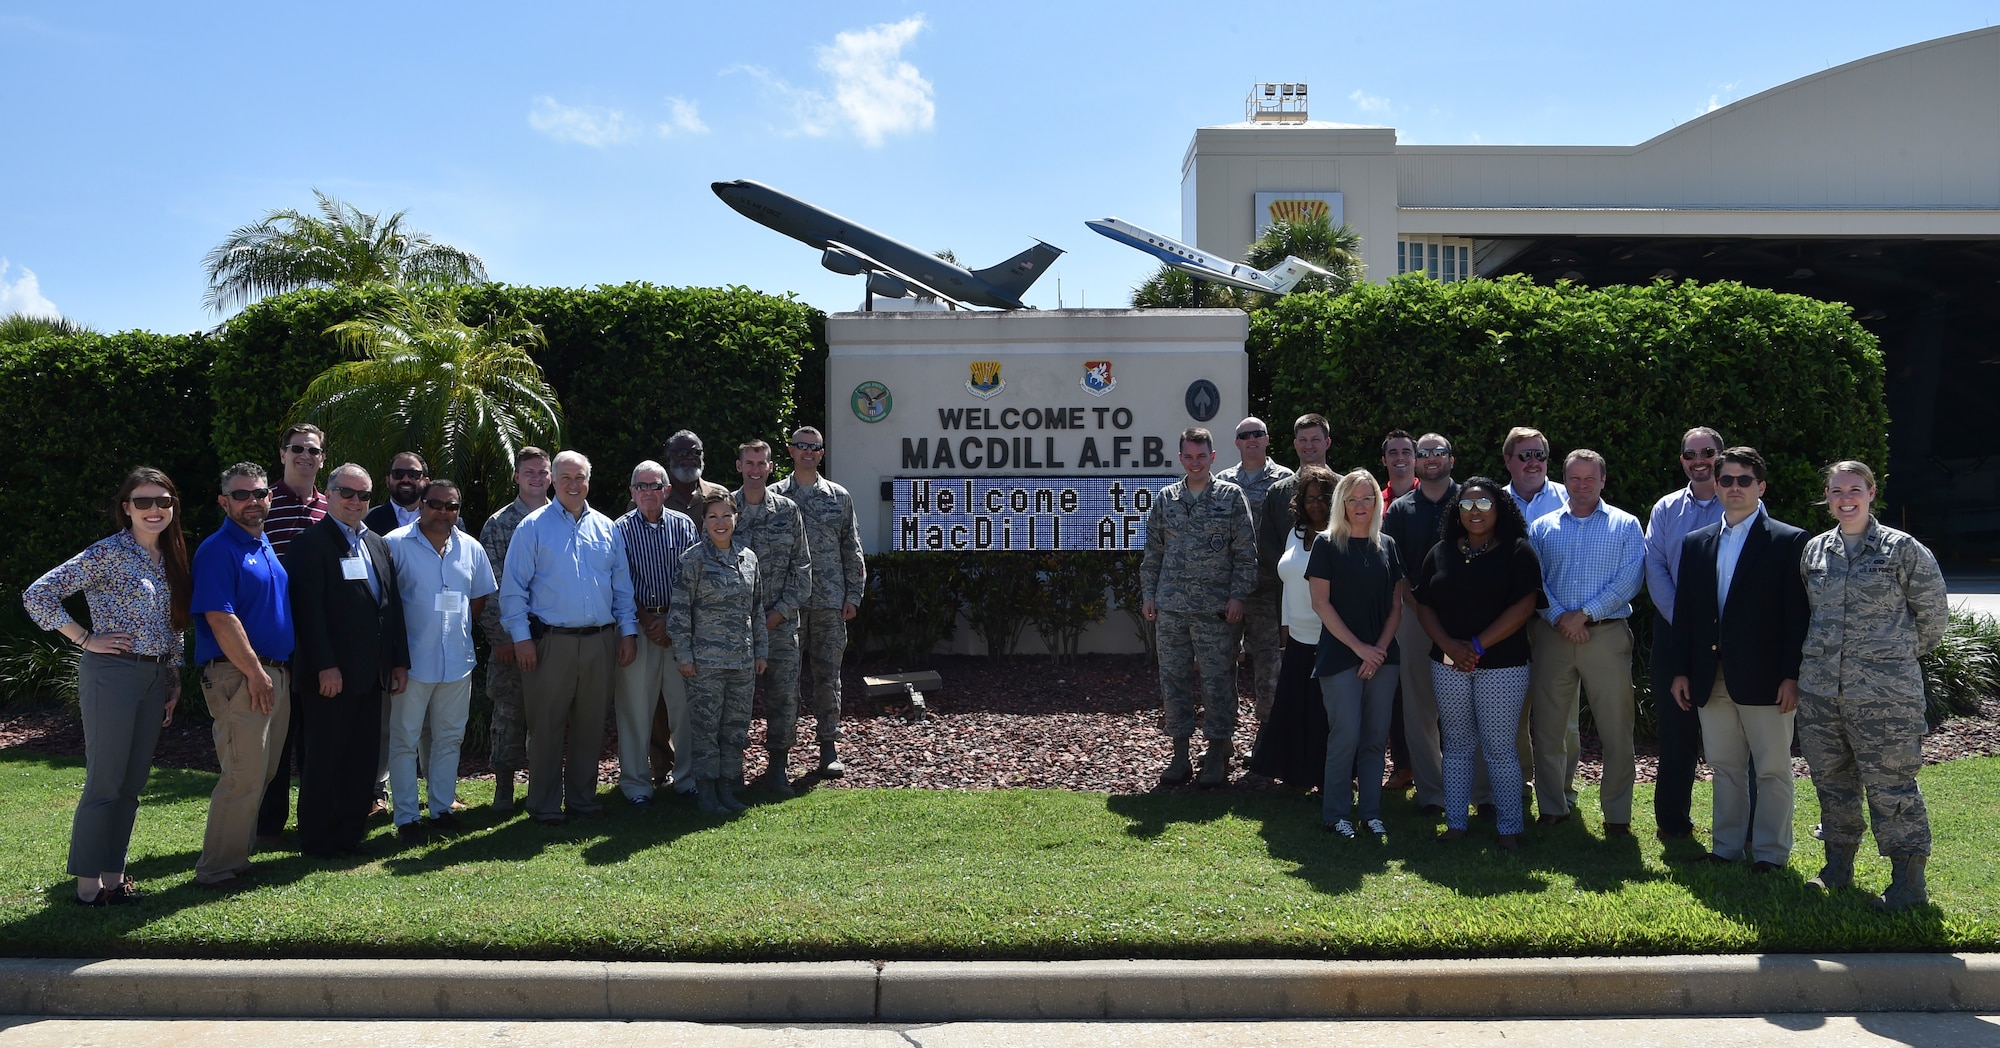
(1011, 874)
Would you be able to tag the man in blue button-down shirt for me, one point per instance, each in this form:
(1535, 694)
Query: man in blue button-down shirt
(566, 600)
(1592, 554)
(444, 580)
(1677, 515)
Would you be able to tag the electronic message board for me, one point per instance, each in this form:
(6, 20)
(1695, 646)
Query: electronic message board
(1022, 512)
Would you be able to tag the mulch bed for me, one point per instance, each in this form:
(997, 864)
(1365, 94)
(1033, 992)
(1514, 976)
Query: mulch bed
(998, 723)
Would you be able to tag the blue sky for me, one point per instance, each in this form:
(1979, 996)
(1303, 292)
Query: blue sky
(574, 144)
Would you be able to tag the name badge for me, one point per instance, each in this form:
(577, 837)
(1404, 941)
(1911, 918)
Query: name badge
(353, 568)
(450, 602)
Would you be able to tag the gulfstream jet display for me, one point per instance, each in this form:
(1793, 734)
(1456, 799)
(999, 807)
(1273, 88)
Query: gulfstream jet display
(893, 267)
(1204, 266)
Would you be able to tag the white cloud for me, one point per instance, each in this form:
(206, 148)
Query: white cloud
(585, 125)
(1368, 103)
(1722, 97)
(685, 116)
(870, 92)
(24, 294)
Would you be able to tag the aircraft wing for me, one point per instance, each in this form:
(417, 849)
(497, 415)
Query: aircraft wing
(875, 263)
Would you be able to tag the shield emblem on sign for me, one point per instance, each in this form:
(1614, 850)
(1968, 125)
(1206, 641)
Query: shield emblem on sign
(1097, 380)
(985, 382)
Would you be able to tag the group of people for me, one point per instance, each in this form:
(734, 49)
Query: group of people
(1462, 622)
(337, 635)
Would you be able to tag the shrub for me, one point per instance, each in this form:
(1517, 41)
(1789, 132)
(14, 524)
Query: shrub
(1963, 670)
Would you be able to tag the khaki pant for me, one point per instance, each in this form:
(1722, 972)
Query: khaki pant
(247, 746)
(652, 684)
(1738, 738)
(564, 699)
(1562, 672)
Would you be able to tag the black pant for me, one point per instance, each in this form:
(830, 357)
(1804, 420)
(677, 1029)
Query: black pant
(1680, 742)
(337, 784)
(277, 804)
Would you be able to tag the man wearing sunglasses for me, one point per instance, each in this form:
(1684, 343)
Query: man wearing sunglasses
(1527, 453)
(296, 504)
(408, 477)
(242, 641)
(1675, 516)
(1412, 520)
(839, 575)
(1255, 473)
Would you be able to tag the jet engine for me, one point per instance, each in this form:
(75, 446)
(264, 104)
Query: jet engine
(882, 285)
(841, 262)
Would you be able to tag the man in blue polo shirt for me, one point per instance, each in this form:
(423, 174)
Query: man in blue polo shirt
(242, 641)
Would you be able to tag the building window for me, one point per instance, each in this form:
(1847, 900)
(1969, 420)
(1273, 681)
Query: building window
(1440, 258)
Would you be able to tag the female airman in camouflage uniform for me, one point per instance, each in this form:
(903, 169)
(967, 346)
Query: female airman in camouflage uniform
(715, 608)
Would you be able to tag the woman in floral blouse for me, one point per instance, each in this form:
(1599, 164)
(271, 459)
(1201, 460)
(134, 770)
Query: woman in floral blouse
(136, 584)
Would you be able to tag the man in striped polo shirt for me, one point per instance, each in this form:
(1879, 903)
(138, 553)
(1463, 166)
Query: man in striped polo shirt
(296, 504)
(655, 538)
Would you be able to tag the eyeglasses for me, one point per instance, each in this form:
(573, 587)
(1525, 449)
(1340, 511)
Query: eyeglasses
(1322, 500)
(306, 449)
(1736, 480)
(346, 492)
(440, 504)
(149, 501)
(1364, 500)
(1690, 456)
(406, 474)
(806, 446)
(248, 494)
(1481, 504)
(648, 485)
(1253, 434)
(1532, 456)
(1433, 453)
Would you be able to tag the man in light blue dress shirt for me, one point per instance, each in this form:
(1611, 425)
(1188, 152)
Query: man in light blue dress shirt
(1526, 452)
(566, 600)
(1593, 555)
(444, 580)
(1677, 515)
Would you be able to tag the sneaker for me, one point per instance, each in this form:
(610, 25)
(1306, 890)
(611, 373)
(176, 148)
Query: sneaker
(1341, 827)
(1375, 827)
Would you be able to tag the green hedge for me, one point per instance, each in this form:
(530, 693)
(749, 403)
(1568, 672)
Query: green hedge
(631, 363)
(1623, 370)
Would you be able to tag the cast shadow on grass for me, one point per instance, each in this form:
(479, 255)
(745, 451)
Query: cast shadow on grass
(608, 837)
(1788, 916)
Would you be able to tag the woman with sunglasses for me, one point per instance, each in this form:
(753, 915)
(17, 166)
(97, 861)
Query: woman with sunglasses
(1291, 741)
(137, 585)
(1878, 606)
(1356, 576)
(1476, 589)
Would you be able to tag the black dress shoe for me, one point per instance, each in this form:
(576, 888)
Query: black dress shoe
(552, 820)
(1708, 859)
(1674, 835)
(1432, 810)
(1760, 866)
(100, 899)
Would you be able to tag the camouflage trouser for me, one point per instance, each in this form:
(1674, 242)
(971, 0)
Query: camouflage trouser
(719, 721)
(823, 641)
(508, 750)
(1203, 639)
(1871, 746)
(781, 687)
(1262, 630)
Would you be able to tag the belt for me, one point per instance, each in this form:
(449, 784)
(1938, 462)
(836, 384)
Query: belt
(652, 609)
(276, 664)
(579, 631)
(1603, 622)
(135, 656)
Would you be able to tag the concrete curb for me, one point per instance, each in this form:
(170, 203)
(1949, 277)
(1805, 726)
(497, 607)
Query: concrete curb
(939, 991)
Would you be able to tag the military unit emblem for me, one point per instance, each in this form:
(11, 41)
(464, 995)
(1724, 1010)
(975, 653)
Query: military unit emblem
(871, 401)
(986, 382)
(1097, 380)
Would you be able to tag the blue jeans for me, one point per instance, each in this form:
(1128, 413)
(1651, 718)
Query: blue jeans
(1357, 724)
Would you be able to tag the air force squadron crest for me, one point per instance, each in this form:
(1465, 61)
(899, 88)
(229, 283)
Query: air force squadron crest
(986, 382)
(1097, 380)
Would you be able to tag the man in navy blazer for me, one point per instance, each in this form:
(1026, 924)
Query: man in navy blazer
(1740, 619)
(348, 617)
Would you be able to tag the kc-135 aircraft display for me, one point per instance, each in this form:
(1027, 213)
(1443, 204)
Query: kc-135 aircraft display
(894, 268)
(1203, 265)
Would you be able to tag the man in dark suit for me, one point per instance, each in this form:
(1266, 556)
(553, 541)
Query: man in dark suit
(351, 648)
(1740, 619)
(408, 478)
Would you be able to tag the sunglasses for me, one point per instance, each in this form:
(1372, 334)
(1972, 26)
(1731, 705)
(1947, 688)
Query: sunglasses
(248, 494)
(1532, 456)
(648, 485)
(1481, 504)
(346, 492)
(150, 501)
(440, 504)
(1323, 500)
(1253, 434)
(306, 449)
(1690, 456)
(1734, 480)
(1433, 453)
(406, 474)
(805, 446)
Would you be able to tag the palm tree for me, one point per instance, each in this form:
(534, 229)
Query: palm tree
(1170, 288)
(289, 250)
(464, 397)
(23, 327)
(1336, 248)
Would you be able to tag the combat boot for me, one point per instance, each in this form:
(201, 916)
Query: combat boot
(777, 777)
(503, 791)
(1179, 769)
(1838, 871)
(725, 792)
(829, 761)
(1215, 763)
(1906, 884)
(705, 798)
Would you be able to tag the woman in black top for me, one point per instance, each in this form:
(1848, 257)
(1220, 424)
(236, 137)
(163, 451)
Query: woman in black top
(1291, 742)
(1475, 591)
(1357, 584)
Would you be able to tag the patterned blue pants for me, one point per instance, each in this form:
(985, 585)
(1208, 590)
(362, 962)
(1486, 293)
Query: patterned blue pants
(1481, 710)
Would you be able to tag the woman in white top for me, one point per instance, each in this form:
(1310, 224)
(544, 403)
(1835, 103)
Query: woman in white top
(1291, 742)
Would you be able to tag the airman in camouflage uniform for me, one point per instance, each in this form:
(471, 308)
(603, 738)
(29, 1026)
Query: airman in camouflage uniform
(721, 645)
(1262, 639)
(773, 528)
(1199, 567)
(1878, 605)
(508, 723)
(838, 575)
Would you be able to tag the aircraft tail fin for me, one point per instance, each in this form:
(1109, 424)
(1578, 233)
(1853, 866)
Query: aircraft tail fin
(1288, 273)
(1016, 275)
